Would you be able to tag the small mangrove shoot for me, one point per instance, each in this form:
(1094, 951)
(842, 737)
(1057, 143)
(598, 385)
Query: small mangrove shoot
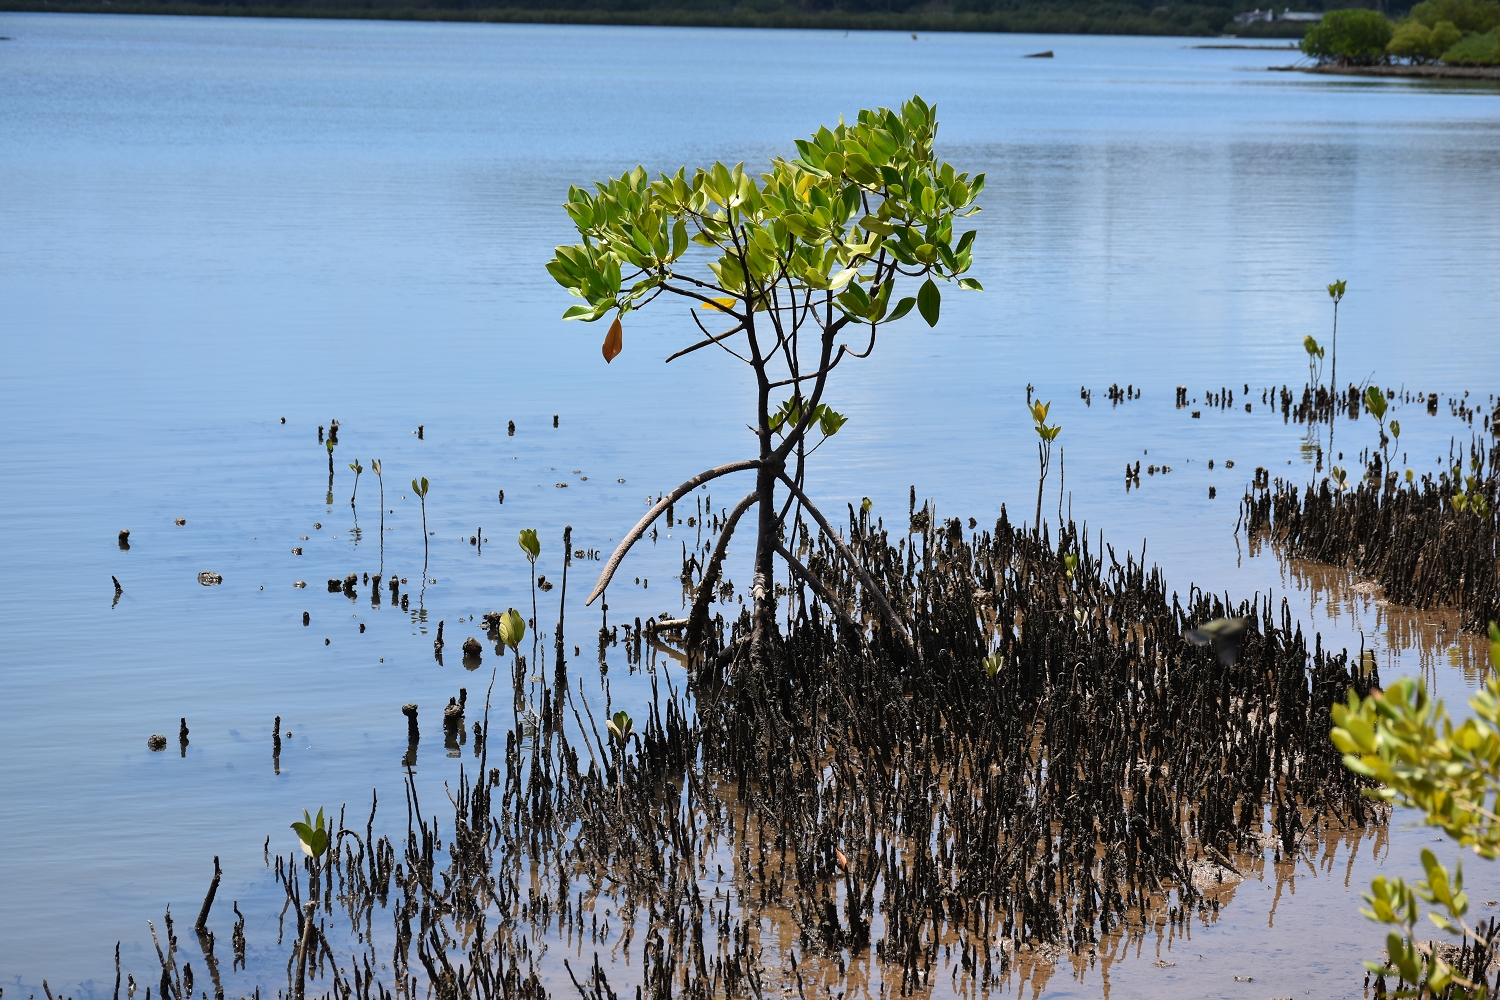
(1043, 450)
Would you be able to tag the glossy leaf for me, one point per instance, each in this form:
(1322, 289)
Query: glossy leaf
(929, 302)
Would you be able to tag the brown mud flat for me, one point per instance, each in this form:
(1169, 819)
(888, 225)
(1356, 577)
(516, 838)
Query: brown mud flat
(1422, 72)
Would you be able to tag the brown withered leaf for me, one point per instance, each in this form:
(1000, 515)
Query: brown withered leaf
(613, 341)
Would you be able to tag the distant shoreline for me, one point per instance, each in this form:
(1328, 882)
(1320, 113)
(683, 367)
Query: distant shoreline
(1420, 72)
(1037, 21)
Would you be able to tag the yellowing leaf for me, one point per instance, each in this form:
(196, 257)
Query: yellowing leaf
(613, 341)
(722, 305)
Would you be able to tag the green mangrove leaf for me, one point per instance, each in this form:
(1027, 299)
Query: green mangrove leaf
(929, 302)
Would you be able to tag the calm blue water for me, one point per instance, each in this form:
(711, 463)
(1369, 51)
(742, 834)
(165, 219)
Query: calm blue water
(209, 225)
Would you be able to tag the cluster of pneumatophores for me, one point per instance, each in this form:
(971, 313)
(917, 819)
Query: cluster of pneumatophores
(1430, 543)
(1042, 767)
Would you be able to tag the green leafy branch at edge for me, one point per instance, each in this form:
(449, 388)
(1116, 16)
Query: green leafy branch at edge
(1407, 743)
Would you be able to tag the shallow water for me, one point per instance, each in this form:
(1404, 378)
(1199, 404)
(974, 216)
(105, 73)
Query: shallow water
(209, 225)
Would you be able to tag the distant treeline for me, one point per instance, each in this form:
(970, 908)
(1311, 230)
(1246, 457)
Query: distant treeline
(1120, 17)
(1436, 32)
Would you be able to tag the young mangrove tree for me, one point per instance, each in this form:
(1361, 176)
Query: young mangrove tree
(802, 264)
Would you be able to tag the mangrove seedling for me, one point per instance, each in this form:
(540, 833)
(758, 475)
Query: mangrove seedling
(620, 727)
(375, 468)
(794, 260)
(993, 663)
(1336, 293)
(355, 468)
(420, 487)
(532, 546)
(529, 543)
(1315, 354)
(1376, 403)
(1339, 476)
(1470, 496)
(512, 629)
(1043, 450)
(313, 833)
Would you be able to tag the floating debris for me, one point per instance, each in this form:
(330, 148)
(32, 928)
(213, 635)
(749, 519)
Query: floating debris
(156, 742)
(210, 579)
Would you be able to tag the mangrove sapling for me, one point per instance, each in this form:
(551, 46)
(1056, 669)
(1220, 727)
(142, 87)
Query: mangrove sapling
(356, 468)
(804, 254)
(1043, 450)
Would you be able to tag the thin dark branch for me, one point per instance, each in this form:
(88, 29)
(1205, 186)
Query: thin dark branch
(713, 338)
(886, 611)
(867, 350)
(656, 511)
